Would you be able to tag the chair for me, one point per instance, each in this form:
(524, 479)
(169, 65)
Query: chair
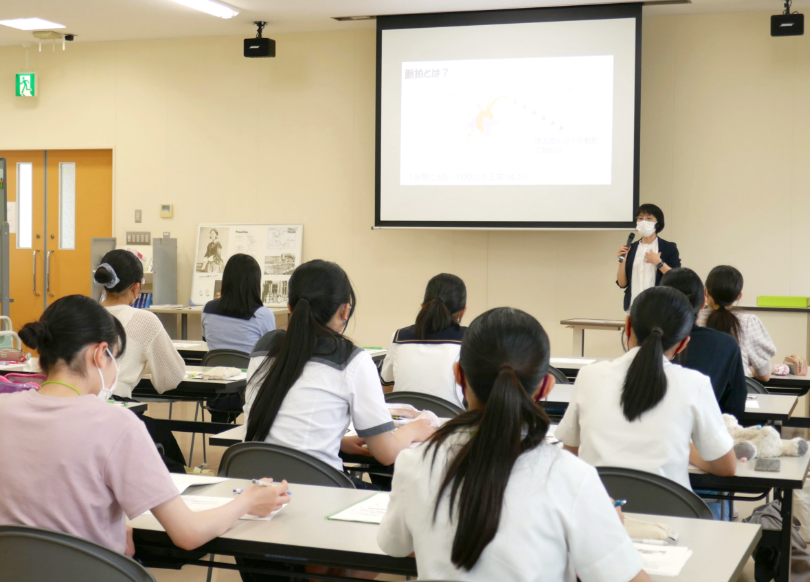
(558, 375)
(649, 493)
(754, 387)
(30, 554)
(439, 406)
(254, 460)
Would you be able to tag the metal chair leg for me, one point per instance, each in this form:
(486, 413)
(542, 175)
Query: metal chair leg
(202, 416)
(193, 436)
(210, 569)
(170, 410)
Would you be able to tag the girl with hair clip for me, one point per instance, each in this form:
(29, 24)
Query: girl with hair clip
(306, 384)
(488, 498)
(73, 463)
(121, 273)
(421, 356)
(724, 287)
(641, 411)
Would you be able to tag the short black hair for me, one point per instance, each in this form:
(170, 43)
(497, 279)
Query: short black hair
(656, 212)
(687, 282)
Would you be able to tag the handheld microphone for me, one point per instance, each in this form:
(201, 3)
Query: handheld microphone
(629, 242)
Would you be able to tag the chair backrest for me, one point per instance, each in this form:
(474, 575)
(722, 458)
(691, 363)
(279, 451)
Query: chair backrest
(558, 375)
(255, 460)
(439, 406)
(754, 387)
(649, 493)
(229, 358)
(30, 554)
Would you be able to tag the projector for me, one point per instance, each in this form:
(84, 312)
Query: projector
(787, 24)
(260, 47)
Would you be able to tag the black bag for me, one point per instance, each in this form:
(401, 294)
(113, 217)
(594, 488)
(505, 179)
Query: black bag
(766, 558)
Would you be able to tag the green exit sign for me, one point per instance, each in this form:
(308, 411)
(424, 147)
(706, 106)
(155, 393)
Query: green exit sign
(26, 85)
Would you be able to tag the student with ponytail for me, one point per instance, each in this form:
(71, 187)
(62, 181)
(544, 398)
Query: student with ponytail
(724, 287)
(641, 411)
(488, 499)
(306, 384)
(74, 463)
(421, 356)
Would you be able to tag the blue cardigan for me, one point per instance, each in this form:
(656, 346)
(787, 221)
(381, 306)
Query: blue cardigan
(669, 254)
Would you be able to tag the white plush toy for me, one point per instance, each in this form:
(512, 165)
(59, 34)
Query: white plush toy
(762, 441)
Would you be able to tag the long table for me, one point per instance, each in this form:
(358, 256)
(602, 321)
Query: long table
(191, 351)
(301, 535)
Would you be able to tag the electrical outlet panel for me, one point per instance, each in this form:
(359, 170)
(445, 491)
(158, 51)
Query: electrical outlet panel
(139, 238)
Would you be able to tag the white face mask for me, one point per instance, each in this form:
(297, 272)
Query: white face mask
(105, 393)
(645, 227)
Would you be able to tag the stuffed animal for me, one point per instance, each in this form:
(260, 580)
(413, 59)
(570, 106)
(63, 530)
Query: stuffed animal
(762, 441)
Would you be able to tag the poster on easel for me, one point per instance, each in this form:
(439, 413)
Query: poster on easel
(276, 247)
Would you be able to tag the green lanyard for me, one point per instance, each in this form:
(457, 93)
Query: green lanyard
(63, 384)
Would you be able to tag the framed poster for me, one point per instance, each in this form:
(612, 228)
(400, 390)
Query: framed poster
(276, 247)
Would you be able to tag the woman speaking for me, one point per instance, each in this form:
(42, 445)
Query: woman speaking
(646, 260)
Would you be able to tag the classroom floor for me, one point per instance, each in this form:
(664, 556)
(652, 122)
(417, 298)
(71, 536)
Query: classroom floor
(185, 411)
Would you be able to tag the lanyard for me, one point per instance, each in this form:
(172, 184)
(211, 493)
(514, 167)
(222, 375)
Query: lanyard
(63, 384)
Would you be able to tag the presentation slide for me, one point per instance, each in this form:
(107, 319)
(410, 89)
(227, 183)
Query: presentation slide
(523, 124)
(525, 121)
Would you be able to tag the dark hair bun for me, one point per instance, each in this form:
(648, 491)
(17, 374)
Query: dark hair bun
(34, 334)
(103, 276)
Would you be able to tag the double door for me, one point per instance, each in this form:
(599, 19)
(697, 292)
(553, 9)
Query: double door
(57, 201)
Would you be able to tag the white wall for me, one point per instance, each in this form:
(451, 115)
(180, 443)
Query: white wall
(291, 139)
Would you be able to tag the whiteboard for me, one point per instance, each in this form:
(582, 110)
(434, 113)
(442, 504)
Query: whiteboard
(276, 247)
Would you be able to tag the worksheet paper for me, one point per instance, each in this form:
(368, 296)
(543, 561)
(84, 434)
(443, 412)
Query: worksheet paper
(371, 510)
(185, 345)
(663, 560)
(749, 404)
(184, 481)
(203, 503)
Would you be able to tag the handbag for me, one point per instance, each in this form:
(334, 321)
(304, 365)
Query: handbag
(797, 365)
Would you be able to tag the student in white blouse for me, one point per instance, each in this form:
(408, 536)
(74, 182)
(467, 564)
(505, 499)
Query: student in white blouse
(641, 411)
(148, 344)
(488, 498)
(307, 384)
(724, 287)
(421, 356)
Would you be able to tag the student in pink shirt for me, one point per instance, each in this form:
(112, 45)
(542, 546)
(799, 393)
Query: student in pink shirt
(74, 463)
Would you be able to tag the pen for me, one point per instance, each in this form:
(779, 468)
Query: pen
(239, 490)
(650, 542)
(261, 483)
(620, 503)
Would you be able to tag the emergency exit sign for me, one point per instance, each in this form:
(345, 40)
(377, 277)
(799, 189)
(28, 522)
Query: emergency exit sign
(26, 85)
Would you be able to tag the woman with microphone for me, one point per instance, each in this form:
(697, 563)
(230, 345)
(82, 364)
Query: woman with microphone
(643, 263)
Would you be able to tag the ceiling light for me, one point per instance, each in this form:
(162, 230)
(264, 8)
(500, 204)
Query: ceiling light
(351, 18)
(210, 7)
(31, 24)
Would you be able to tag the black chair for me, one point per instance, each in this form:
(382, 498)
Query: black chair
(649, 493)
(30, 554)
(558, 375)
(230, 358)
(439, 406)
(254, 460)
(754, 387)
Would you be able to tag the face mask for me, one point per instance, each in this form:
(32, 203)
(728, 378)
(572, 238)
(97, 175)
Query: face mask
(645, 227)
(105, 393)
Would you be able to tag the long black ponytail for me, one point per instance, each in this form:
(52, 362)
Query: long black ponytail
(445, 297)
(504, 356)
(317, 289)
(724, 285)
(661, 317)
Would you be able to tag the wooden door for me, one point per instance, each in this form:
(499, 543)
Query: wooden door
(25, 175)
(79, 209)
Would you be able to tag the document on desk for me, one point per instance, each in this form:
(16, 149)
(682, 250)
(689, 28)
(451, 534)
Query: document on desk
(185, 345)
(558, 362)
(751, 404)
(663, 560)
(183, 482)
(371, 510)
(203, 503)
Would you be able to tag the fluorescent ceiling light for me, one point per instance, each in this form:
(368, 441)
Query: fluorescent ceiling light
(31, 24)
(210, 7)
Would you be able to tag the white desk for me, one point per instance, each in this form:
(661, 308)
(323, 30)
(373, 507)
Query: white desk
(772, 407)
(191, 351)
(31, 367)
(301, 531)
(580, 325)
(281, 313)
(227, 438)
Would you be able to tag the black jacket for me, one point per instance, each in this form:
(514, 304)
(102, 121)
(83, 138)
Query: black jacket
(669, 254)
